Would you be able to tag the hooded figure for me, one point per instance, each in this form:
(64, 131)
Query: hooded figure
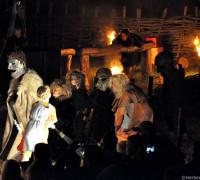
(22, 94)
(174, 93)
(100, 101)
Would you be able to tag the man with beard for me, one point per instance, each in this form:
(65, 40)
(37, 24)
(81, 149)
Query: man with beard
(22, 94)
(100, 101)
(130, 107)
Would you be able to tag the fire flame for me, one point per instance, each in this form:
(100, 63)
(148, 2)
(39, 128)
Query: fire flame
(116, 70)
(111, 36)
(197, 43)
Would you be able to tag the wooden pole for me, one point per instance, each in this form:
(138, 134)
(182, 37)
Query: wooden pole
(138, 20)
(124, 16)
(96, 13)
(196, 14)
(179, 128)
(150, 86)
(183, 33)
(69, 63)
(85, 68)
(66, 7)
(49, 22)
(81, 27)
(38, 7)
(162, 21)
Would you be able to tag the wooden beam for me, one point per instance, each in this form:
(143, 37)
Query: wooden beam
(96, 52)
(85, 68)
(66, 52)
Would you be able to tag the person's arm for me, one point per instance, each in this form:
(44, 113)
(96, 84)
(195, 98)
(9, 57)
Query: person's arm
(52, 118)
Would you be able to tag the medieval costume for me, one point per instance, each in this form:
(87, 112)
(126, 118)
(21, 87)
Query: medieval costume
(62, 101)
(100, 101)
(127, 39)
(42, 117)
(130, 107)
(22, 94)
(80, 102)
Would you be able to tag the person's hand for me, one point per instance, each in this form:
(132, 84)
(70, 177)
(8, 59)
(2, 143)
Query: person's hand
(120, 131)
(53, 126)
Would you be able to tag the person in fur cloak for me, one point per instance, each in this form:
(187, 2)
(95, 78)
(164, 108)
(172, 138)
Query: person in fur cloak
(80, 101)
(130, 107)
(100, 101)
(22, 94)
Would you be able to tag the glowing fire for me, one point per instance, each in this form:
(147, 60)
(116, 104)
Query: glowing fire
(111, 36)
(116, 70)
(197, 43)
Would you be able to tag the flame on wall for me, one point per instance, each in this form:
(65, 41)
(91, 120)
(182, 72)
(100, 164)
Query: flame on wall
(197, 43)
(111, 36)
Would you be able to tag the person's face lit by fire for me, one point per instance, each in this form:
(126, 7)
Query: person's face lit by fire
(115, 85)
(124, 36)
(57, 92)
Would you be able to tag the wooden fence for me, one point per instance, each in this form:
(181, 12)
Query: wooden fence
(178, 33)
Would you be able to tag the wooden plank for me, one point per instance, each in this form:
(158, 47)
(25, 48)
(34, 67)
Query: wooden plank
(96, 52)
(66, 52)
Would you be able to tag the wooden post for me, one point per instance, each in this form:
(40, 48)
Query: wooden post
(179, 128)
(49, 23)
(66, 66)
(81, 27)
(96, 13)
(124, 16)
(150, 86)
(66, 7)
(183, 33)
(38, 7)
(85, 68)
(69, 62)
(162, 22)
(196, 14)
(138, 19)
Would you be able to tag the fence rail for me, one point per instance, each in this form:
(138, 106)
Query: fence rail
(178, 33)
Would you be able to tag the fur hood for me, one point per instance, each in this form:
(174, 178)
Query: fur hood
(25, 85)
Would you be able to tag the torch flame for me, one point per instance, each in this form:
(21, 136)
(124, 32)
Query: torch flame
(111, 36)
(196, 42)
(116, 70)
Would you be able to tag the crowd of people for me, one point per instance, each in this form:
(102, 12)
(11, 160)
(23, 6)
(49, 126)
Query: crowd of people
(65, 132)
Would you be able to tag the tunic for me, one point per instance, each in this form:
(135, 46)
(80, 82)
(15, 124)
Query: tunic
(37, 128)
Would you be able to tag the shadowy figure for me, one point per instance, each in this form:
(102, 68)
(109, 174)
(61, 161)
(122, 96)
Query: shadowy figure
(128, 39)
(11, 171)
(136, 166)
(40, 170)
(189, 170)
(173, 96)
(100, 101)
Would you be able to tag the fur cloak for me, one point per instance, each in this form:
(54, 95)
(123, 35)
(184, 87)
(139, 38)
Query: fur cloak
(26, 96)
